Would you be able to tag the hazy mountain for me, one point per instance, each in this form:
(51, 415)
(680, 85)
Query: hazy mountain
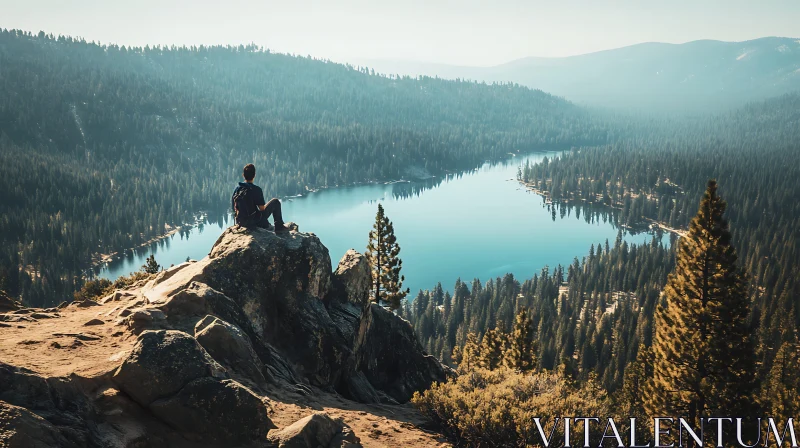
(698, 75)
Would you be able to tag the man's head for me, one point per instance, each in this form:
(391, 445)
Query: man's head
(249, 172)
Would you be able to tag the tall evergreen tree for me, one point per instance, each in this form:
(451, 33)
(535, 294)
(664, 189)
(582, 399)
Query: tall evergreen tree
(520, 354)
(703, 355)
(780, 389)
(382, 254)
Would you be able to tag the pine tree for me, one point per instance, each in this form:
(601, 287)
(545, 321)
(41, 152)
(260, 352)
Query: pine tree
(382, 254)
(467, 357)
(151, 266)
(520, 354)
(492, 349)
(703, 356)
(780, 389)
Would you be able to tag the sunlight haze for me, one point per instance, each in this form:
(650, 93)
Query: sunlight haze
(465, 32)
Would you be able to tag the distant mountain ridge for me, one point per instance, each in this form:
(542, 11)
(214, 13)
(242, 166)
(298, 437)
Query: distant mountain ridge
(696, 76)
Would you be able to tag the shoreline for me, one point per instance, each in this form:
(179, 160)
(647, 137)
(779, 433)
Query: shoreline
(652, 222)
(99, 261)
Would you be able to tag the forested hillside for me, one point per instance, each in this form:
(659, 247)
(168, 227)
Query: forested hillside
(101, 146)
(594, 314)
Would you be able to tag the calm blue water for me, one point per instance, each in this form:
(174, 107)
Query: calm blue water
(480, 224)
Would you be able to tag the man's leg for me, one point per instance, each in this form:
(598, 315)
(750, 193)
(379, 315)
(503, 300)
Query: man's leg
(274, 208)
(261, 220)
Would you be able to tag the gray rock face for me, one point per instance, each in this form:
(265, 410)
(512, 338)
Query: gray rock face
(221, 412)
(391, 357)
(230, 346)
(161, 363)
(280, 281)
(349, 297)
(267, 274)
(198, 299)
(316, 430)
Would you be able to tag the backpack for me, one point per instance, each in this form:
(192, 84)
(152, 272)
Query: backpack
(243, 207)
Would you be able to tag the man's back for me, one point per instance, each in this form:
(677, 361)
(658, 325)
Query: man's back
(245, 201)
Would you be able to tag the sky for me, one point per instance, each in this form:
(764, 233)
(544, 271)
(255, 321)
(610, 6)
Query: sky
(456, 32)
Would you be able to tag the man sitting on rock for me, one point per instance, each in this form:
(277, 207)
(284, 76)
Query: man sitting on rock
(249, 206)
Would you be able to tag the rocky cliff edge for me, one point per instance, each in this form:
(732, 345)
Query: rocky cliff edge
(261, 343)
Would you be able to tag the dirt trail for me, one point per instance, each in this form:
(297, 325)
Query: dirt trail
(60, 343)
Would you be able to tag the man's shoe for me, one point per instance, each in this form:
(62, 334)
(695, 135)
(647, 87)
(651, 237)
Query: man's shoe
(281, 228)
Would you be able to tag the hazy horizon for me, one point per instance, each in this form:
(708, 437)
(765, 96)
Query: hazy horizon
(464, 33)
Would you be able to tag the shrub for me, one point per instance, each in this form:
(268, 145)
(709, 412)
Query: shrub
(492, 404)
(498, 407)
(128, 280)
(94, 289)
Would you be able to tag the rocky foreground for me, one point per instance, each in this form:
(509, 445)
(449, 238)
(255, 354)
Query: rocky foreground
(259, 344)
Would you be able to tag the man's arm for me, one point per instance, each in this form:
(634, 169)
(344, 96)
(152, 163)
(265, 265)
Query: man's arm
(261, 204)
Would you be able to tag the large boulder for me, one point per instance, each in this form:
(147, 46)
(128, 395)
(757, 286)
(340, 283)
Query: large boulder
(279, 281)
(230, 346)
(390, 356)
(316, 430)
(161, 363)
(270, 275)
(21, 428)
(220, 412)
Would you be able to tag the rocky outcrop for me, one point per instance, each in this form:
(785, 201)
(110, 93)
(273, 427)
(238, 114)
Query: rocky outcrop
(280, 282)
(280, 291)
(264, 312)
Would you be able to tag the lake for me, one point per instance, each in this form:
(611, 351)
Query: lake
(478, 224)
